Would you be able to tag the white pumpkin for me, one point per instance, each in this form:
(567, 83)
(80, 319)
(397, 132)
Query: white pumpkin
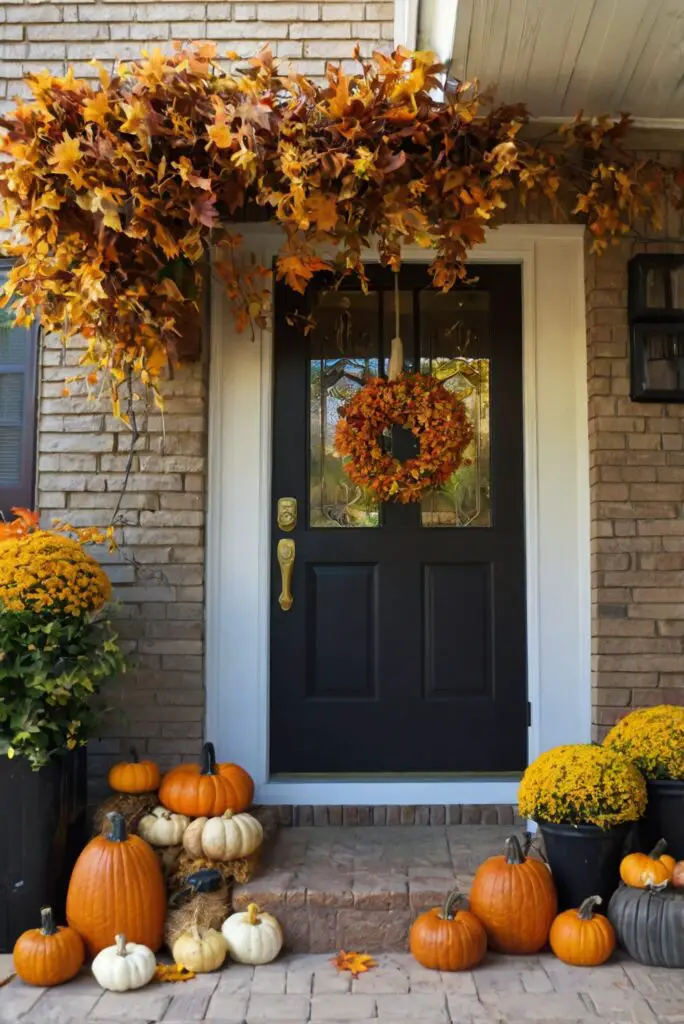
(200, 949)
(124, 966)
(162, 828)
(229, 837)
(252, 937)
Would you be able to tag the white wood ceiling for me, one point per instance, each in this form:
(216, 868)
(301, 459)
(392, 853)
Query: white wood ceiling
(560, 56)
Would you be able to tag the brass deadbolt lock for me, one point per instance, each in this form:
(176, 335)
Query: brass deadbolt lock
(287, 514)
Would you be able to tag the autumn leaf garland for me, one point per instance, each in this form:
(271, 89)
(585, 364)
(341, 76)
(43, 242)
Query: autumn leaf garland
(115, 194)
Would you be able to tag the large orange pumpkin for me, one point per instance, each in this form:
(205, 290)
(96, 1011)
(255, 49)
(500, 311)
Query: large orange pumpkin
(48, 955)
(515, 898)
(134, 776)
(643, 869)
(207, 789)
(117, 887)
(446, 941)
(582, 938)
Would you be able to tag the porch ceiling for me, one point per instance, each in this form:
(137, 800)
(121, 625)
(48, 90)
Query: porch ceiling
(560, 56)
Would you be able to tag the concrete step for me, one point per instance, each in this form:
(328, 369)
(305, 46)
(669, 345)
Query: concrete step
(360, 888)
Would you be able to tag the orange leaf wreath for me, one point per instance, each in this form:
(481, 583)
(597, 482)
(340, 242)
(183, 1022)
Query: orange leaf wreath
(421, 404)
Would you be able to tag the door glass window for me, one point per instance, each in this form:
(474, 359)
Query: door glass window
(345, 352)
(454, 347)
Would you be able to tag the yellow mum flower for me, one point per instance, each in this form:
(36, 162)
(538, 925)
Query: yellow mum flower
(43, 570)
(582, 784)
(653, 738)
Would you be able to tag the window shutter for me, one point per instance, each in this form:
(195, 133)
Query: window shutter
(18, 360)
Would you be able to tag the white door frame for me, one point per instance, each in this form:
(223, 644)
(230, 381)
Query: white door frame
(557, 527)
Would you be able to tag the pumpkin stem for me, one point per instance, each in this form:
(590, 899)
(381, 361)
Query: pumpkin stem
(208, 759)
(228, 814)
(514, 853)
(586, 910)
(121, 945)
(118, 833)
(658, 850)
(133, 753)
(47, 921)
(453, 900)
(252, 914)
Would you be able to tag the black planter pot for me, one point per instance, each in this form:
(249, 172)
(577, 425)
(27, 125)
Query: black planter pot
(584, 860)
(43, 829)
(664, 818)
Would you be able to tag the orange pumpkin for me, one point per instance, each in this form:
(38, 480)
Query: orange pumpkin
(515, 898)
(582, 938)
(640, 870)
(206, 790)
(117, 887)
(134, 776)
(48, 955)
(446, 941)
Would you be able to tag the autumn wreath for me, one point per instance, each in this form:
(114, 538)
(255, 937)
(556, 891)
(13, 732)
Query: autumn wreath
(418, 403)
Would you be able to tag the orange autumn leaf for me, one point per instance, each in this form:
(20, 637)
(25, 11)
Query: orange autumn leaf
(173, 973)
(297, 270)
(355, 963)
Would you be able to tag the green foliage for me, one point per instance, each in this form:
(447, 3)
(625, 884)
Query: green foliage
(51, 669)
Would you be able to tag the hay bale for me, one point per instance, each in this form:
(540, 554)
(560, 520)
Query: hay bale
(232, 870)
(188, 907)
(133, 806)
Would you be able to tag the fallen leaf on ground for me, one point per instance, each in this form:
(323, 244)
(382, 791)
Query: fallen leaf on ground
(356, 963)
(173, 972)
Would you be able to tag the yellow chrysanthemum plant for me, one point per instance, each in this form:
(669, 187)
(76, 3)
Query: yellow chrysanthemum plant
(582, 784)
(653, 739)
(57, 645)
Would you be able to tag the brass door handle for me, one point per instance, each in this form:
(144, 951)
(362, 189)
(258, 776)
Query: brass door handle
(286, 560)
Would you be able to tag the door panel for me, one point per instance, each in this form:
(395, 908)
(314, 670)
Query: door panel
(462, 594)
(404, 650)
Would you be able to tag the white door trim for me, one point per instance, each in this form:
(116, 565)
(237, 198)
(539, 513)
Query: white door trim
(557, 526)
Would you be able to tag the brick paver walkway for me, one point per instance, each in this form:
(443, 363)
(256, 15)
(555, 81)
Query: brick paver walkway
(300, 989)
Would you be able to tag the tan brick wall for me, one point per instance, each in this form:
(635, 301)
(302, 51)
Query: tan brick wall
(38, 35)
(637, 491)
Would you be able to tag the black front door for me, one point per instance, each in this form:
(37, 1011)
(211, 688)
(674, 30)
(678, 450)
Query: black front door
(404, 647)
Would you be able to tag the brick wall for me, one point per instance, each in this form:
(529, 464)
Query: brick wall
(38, 35)
(637, 491)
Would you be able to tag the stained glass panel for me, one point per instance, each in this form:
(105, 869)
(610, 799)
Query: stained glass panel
(345, 352)
(454, 330)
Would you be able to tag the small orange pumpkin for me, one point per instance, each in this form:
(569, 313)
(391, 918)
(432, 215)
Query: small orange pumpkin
(117, 887)
(446, 941)
(640, 870)
(134, 776)
(207, 789)
(515, 898)
(582, 938)
(48, 955)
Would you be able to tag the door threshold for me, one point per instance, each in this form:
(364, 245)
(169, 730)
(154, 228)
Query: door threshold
(388, 790)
